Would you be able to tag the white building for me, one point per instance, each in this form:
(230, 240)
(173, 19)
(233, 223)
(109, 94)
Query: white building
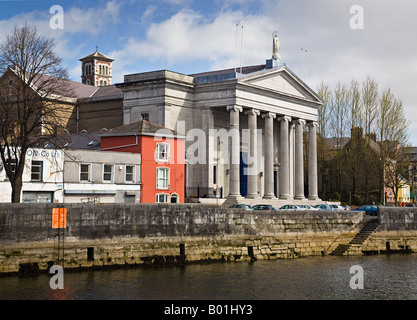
(42, 177)
(244, 127)
(101, 177)
(76, 176)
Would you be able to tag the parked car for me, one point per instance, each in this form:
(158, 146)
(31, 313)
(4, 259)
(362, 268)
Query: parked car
(308, 207)
(323, 207)
(368, 209)
(292, 207)
(263, 207)
(241, 206)
(339, 207)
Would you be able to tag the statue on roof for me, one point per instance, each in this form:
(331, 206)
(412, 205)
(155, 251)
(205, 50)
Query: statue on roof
(276, 47)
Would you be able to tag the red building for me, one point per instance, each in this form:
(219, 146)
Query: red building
(162, 158)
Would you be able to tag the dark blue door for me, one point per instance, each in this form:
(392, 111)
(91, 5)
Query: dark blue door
(275, 182)
(243, 176)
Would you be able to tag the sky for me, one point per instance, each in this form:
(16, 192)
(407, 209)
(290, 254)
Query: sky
(321, 40)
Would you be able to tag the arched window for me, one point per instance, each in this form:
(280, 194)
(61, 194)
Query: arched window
(162, 198)
(175, 198)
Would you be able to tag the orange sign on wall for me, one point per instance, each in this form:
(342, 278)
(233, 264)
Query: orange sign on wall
(59, 218)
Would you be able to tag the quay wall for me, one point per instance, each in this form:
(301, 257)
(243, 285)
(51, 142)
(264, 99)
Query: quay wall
(119, 235)
(397, 232)
(103, 235)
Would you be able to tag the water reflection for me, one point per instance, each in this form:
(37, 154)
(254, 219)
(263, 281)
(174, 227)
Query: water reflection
(385, 277)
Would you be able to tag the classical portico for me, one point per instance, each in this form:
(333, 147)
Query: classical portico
(270, 146)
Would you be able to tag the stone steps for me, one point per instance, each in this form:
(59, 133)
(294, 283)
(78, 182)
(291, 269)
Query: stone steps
(358, 240)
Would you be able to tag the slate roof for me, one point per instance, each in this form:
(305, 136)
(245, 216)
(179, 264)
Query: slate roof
(142, 127)
(82, 140)
(97, 55)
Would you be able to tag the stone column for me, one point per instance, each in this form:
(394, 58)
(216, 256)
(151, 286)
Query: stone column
(299, 160)
(234, 185)
(284, 172)
(269, 155)
(312, 162)
(252, 171)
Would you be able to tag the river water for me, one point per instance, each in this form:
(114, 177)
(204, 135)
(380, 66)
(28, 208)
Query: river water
(385, 277)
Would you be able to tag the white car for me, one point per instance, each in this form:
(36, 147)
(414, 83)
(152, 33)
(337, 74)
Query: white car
(292, 207)
(308, 207)
(337, 207)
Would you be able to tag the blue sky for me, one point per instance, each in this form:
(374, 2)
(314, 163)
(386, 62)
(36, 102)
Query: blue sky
(190, 36)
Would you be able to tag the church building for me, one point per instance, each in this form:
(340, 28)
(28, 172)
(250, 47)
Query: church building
(244, 128)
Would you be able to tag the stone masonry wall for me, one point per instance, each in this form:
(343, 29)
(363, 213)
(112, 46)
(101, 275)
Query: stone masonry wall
(397, 232)
(105, 235)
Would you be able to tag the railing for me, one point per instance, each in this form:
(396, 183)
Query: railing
(203, 192)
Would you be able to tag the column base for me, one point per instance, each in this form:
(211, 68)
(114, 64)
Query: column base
(286, 197)
(269, 197)
(252, 196)
(300, 198)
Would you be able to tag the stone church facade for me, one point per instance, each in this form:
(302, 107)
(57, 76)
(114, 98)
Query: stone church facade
(245, 128)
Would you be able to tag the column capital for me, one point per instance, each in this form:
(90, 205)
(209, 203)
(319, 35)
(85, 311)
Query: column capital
(234, 108)
(313, 124)
(300, 121)
(254, 112)
(284, 118)
(269, 115)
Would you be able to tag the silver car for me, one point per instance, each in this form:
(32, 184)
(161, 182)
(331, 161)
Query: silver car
(338, 207)
(292, 207)
(323, 207)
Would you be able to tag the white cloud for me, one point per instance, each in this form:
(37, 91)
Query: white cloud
(190, 36)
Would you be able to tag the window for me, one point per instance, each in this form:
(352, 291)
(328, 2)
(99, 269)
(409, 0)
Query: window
(85, 172)
(145, 116)
(130, 174)
(162, 152)
(162, 198)
(36, 171)
(108, 173)
(162, 178)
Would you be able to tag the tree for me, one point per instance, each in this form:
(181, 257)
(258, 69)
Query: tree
(32, 98)
(378, 131)
(338, 125)
(392, 129)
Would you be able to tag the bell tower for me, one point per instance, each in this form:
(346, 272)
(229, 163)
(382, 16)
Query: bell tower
(96, 70)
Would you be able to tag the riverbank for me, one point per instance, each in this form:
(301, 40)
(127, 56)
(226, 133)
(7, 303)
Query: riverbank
(100, 236)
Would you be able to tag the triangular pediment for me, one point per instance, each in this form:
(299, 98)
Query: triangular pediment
(282, 81)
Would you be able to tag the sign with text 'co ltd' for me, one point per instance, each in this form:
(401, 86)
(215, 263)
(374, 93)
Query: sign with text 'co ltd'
(59, 218)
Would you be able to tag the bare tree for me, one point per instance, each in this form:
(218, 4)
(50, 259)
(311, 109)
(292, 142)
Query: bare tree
(323, 127)
(32, 98)
(392, 129)
(370, 103)
(338, 125)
